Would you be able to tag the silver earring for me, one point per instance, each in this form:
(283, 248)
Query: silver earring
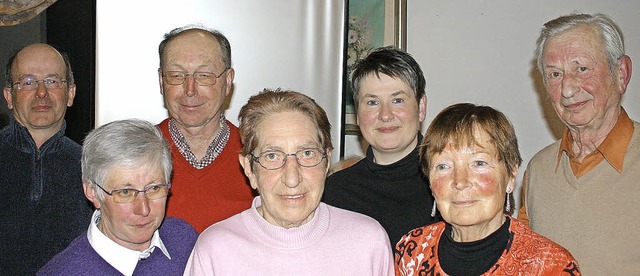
(433, 211)
(508, 208)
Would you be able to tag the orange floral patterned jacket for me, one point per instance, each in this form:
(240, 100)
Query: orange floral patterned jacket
(527, 253)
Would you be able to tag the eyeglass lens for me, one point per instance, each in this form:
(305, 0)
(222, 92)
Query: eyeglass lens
(201, 78)
(30, 83)
(151, 192)
(275, 159)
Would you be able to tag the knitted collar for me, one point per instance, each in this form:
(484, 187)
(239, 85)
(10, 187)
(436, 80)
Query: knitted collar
(296, 238)
(18, 136)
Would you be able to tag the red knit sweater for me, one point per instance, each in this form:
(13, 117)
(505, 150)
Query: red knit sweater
(214, 193)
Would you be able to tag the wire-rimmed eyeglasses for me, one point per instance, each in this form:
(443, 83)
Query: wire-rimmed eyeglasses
(201, 78)
(126, 195)
(31, 83)
(275, 159)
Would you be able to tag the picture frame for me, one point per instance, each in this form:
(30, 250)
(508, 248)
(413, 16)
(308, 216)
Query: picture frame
(369, 24)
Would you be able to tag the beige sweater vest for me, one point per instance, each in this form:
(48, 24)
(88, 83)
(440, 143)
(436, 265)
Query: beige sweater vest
(595, 217)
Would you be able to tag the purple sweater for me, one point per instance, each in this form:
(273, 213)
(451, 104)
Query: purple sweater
(80, 258)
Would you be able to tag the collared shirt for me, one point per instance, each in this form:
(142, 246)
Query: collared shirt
(215, 148)
(121, 258)
(612, 149)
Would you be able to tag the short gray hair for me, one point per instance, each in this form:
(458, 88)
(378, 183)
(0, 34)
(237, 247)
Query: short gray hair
(123, 142)
(610, 33)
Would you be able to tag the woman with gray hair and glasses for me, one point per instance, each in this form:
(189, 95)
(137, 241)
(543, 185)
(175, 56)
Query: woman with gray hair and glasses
(288, 231)
(126, 171)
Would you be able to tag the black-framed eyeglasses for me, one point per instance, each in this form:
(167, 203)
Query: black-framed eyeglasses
(31, 83)
(275, 159)
(126, 195)
(201, 78)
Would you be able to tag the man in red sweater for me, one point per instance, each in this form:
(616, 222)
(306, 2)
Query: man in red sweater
(195, 73)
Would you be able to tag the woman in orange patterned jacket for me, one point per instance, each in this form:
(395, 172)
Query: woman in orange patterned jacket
(471, 156)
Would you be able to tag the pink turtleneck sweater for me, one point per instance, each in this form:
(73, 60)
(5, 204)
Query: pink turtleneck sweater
(333, 242)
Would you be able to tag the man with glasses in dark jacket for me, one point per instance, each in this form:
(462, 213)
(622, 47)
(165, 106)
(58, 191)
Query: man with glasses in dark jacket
(42, 207)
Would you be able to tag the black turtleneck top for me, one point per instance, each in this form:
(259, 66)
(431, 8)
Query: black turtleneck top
(396, 195)
(472, 258)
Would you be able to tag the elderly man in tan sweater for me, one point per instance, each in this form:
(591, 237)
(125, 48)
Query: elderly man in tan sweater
(581, 191)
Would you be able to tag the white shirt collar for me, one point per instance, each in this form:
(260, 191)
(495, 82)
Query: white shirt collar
(118, 256)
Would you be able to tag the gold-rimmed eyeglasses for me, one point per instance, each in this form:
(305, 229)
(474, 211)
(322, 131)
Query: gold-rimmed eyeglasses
(201, 78)
(126, 195)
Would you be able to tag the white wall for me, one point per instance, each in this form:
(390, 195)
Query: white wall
(470, 51)
(291, 44)
(482, 52)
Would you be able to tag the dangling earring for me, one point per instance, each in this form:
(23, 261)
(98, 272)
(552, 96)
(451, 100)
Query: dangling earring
(508, 208)
(433, 211)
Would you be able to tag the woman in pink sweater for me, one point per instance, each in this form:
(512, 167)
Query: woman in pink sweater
(288, 231)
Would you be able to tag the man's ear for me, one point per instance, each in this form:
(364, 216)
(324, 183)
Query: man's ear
(71, 94)
(229, 78)
(245, 162)
(91, 194)
(8, 97)
(160, 81)
(624, 73)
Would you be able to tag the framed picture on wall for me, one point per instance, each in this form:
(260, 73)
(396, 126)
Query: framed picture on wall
(370, 24)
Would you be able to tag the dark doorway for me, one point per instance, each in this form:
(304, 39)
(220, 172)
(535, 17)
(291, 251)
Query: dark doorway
(71, 28)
